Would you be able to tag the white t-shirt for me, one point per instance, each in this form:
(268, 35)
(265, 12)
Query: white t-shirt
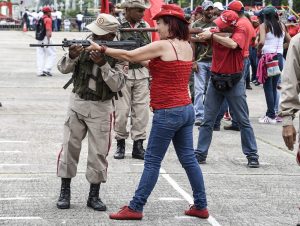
(58, 14)
(67, 22)
(40, 15)
(79, 17)
(53, 15)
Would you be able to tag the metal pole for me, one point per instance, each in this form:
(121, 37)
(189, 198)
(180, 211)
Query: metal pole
(192, 5)
(291, 3)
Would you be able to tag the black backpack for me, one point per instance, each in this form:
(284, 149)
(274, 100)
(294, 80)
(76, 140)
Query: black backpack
(40, 31)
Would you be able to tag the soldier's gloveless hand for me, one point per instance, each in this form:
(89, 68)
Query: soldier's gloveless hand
(97, 57)
(75, 50)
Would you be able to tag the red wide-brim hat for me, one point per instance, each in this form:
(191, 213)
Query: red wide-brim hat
(171, 10)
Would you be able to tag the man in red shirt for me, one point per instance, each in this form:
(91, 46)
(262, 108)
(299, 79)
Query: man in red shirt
(245, 25)
(46, 56)
(226, 82)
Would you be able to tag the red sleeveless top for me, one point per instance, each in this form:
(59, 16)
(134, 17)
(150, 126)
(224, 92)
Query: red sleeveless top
(169, 85)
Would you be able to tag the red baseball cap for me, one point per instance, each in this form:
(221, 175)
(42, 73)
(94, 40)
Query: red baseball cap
(226, 19)
(254, 19)
(171, 10)
(47, 9)
(198, 9)
(236, 6)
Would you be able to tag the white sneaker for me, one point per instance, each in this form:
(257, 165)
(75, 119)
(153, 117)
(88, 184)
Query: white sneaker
(267, 120)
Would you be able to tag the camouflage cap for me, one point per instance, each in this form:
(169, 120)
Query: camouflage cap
(104, 24)
(135, 4)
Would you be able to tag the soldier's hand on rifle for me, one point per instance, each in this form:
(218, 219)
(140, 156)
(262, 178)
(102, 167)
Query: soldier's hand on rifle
(94, 46)
(97, 57)
(75, 50)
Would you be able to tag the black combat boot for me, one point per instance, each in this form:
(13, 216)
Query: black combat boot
(138, 151)
(120, 153)
(94, 201)
(65, 194)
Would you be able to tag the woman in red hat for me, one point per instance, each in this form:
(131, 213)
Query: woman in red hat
(170, 62)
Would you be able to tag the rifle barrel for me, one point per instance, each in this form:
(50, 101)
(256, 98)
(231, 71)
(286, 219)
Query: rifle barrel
(126, 44)
(153, 29)
(42, 45)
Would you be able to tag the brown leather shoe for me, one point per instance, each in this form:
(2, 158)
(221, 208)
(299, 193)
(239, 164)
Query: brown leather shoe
(126, 214)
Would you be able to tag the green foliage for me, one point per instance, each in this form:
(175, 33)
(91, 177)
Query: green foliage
(72, 13)
(296, 6)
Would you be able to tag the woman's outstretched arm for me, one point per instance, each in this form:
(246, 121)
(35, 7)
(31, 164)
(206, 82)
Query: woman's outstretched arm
(148, 52)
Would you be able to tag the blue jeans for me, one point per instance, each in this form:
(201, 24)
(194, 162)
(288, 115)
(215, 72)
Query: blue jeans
(236, 99)
(224, 106)
(246, 69)
(253, 62)
(176, 125)
(270, 88)
(201, 79)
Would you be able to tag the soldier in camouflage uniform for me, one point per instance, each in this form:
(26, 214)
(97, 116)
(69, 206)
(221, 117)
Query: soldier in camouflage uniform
(136, 91)
(96, 79)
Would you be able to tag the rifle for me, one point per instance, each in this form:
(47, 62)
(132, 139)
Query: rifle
(153, 29)
(147, 29)
(127, 44)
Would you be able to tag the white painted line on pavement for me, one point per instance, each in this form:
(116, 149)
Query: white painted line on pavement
(21, 218)
(174, 184)
(185, 195)
(13, 141)
(183, 217)
(137, 164)
(14, 198)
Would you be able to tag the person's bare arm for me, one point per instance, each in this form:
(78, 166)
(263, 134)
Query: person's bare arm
(287, 37)
(225, 41)
(148, 52)
(262, 37)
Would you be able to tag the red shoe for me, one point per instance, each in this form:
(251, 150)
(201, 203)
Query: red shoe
(126, 214)
(298, 158)
(227, 116)
(197, 213)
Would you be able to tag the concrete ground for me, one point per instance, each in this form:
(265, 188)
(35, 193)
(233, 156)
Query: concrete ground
(31, 127)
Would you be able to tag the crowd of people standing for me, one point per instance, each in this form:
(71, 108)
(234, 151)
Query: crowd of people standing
(219, 56)
(59, 22)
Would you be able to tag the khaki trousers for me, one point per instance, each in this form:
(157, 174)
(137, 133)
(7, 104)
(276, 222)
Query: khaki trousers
(135, 99)
(99, 140)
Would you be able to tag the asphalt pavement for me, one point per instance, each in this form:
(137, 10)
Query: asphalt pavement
(31, 129)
